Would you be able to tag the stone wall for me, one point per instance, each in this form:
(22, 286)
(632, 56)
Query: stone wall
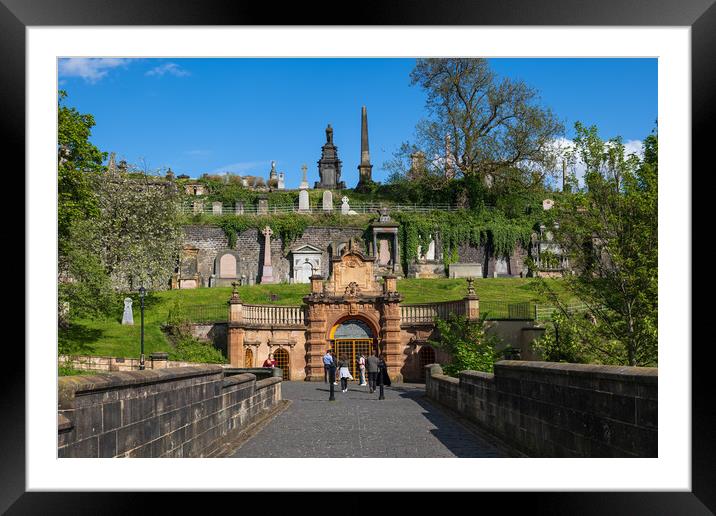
(176, 412)
(548, 409)
(210, 242)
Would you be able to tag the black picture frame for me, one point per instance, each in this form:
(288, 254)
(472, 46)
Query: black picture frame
(699, 15)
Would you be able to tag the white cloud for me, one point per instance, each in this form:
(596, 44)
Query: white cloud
(168, 68)
(91, 69)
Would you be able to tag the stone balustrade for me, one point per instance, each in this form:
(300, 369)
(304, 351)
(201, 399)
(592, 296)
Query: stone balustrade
(428, 312)
(267, 315)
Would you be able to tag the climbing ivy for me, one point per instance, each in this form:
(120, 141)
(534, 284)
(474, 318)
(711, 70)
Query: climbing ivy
(288, 226)
(453, 229)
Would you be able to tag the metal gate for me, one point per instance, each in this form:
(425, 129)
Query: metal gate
(281, 357)
(350, 349)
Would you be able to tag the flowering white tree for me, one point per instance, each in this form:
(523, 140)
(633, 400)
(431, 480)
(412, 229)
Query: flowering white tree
(138, 229)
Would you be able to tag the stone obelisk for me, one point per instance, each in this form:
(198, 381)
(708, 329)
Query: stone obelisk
(267, 274)
(365, 169)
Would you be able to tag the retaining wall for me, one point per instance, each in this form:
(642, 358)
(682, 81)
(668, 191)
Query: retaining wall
(548, 409)
(175, 412)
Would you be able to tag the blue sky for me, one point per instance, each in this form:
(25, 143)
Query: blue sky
(212, 115)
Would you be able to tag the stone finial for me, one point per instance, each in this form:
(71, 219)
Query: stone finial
(329, 134)
(471, 287)
(235, 292)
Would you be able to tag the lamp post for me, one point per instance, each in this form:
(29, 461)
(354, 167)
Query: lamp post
(142, 291)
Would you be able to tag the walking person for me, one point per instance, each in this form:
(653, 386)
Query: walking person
(345, 373)
(327, 363)
(383, 371)
(361, 369)
(371, 365)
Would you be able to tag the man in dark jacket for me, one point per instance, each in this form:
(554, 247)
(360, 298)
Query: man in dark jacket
(371, 365)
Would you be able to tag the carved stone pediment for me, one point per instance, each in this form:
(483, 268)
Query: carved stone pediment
(353, 275)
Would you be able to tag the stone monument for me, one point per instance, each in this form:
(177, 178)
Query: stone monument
(329, 166)
(345, 208)
(327, 201)
(128, 317)
(365, 169)
(267, 275)
(303, 201)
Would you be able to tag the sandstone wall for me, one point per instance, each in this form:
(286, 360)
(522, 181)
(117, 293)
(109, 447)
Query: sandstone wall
(549, 409)
(176, 412)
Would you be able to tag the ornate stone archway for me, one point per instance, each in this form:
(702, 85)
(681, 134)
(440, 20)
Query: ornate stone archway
(352, 292)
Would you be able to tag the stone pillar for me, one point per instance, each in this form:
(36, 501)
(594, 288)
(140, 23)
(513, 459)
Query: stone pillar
(316, 343)
(472, 302)
(390, 330)
(267, 275)
(391, 342)
(235, 336)
(396, 254)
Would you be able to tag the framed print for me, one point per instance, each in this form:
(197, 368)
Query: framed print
(45, 44)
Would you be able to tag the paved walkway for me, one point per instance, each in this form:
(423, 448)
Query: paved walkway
(357, 424)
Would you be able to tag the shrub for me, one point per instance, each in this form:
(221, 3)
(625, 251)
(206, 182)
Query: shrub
(467, 343)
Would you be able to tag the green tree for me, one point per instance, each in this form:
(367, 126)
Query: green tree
(84, 286)
(79, 161)
(498, 132)
(469, 347)
(609, 232)
(139, 232)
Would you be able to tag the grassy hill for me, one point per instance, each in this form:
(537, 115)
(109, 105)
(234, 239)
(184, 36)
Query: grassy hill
(107, 336)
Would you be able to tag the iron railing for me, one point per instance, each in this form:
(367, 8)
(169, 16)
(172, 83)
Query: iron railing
(357, 208)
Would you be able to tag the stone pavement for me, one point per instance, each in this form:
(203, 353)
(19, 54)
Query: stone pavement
(357, 424)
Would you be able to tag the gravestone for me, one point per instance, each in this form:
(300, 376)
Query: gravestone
(345, 208)
(502, 267)
(198, 207)
(383, 252)
(262, 208)
(267, 276)
(217, 208)
(547, 204)
(239, 207)
(303, 203)
(304, 181)
(128, 317)
(227, 266)
(465, 270)
(327, 201)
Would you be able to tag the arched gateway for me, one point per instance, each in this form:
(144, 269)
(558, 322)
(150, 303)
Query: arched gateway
(350, 338)
(352, 314)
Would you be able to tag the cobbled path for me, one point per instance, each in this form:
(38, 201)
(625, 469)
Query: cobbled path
(357, 424)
